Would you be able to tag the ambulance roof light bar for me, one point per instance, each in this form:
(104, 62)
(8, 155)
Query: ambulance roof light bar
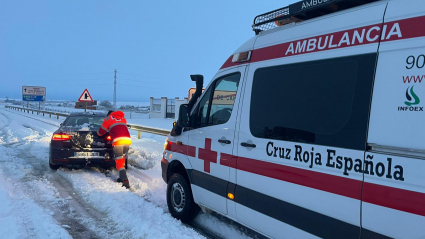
(300, 11)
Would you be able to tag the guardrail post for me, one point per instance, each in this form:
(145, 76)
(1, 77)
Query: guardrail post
(58, 116)
(138, 134)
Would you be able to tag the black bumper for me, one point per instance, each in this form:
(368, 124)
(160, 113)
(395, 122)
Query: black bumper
(164, 167)
(65, 157)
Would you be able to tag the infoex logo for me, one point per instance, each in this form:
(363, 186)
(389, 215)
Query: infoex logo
(411, 94)
(412, 101)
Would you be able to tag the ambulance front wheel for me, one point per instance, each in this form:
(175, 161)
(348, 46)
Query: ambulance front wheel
(180, 200)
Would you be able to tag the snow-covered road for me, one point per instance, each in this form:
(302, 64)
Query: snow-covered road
(36, 202)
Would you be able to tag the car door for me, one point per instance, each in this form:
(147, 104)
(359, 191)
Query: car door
(213, 135)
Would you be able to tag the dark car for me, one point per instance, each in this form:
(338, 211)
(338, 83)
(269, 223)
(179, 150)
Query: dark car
(76, 143)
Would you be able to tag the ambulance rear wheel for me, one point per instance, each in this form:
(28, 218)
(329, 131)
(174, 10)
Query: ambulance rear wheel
(180, 200)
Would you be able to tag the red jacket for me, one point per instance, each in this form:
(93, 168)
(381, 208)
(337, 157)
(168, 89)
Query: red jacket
(116, 125)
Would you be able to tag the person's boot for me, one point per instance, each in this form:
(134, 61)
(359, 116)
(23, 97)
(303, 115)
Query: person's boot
(123, 178)
(119, 180)
(126, 184)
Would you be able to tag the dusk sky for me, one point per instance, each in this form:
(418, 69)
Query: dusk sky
(68, 46)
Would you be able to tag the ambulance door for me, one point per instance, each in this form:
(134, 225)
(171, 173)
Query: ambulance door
(301, 144)
(393, 198)
(213, 136)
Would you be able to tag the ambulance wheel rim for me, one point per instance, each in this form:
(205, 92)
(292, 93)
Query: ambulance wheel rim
(178, 197)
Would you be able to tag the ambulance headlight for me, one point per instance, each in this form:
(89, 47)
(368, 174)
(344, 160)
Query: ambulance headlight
(166, 144)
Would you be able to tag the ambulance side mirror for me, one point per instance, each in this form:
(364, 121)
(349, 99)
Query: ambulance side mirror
(184, 116)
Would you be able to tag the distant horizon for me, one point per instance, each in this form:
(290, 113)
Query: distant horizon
(154, 46)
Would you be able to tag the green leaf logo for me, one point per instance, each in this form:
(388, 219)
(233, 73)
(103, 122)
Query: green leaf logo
(409, 97)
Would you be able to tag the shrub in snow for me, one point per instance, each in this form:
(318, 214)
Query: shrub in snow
(107, 105)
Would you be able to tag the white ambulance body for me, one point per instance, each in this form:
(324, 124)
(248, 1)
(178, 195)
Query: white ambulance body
(314, 128)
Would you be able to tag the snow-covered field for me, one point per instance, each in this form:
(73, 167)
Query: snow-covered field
(36, 202)
(67, 107)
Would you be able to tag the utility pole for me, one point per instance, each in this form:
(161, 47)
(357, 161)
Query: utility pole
(115, 90)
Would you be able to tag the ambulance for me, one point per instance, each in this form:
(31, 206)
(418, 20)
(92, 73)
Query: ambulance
(313, 128)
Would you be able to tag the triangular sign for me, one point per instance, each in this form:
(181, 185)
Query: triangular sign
(85, 97)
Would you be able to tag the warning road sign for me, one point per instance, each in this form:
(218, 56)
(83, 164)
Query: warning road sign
(85, 97)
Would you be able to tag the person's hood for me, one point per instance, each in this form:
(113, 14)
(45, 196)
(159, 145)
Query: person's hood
(118, 115)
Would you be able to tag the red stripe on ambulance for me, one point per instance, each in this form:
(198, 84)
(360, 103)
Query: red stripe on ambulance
(392, 31)
(395, 198)
(182, 149)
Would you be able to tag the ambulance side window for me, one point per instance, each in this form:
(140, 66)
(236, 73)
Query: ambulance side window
(200, 114)
(322, 102)
(223, 99)
(222, 94)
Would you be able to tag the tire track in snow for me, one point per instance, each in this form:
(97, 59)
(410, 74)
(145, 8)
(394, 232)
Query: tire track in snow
(137, 172)
(71, 210)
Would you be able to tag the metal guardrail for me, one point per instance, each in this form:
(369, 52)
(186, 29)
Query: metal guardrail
(138, 128)
(37, 111)
(150, 130)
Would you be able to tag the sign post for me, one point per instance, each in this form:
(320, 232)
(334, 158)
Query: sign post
(85, 97)
(34, 94)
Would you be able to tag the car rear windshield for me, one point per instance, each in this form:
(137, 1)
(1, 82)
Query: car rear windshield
(92, 121)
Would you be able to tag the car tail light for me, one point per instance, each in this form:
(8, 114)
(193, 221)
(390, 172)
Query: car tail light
(108, 138)
(61, 137)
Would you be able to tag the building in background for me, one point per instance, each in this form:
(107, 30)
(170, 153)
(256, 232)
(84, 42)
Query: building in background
(165, 108)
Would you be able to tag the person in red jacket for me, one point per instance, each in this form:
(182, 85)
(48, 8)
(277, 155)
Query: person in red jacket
(116, 125)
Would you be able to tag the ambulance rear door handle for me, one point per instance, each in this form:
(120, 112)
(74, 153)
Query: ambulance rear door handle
(248, 145)
(224, 141)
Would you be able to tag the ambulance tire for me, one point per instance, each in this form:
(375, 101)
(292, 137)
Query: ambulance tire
(180, 200)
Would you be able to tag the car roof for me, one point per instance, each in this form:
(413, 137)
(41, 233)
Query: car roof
(101, 114)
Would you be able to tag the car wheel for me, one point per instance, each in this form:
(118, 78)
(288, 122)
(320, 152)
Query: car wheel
(180, 200)
(53, 167)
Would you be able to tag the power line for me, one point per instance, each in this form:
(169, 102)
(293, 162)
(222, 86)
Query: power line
(90, 79)
(152, 77)
(82, 85)
(129, 74)
(142, 81)
(70, 75)
(141, 86)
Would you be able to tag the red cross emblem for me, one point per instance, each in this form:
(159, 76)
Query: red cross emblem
(207, 155)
